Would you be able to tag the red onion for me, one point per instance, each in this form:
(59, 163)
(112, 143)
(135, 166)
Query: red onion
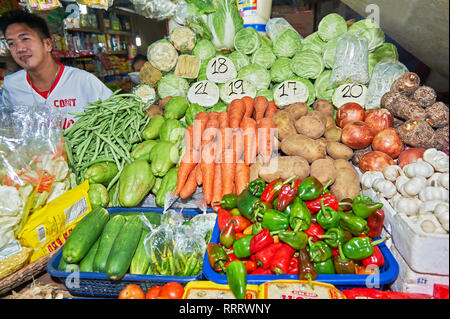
(375, 161)
(388, 141)
(357, 135)
(379, 119)
(348, 113)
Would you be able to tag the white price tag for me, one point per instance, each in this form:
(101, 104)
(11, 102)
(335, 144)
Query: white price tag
(220, 70)
(204, 93)
(350, 92)
(289, 92)
(237, 89)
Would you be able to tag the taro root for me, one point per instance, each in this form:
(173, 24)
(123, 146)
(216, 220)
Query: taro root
(398, 122)
(441, 138)
(425, 96)
(437, 115)
(406, 84)
(358, 154)
(400, 106)
(416, 133)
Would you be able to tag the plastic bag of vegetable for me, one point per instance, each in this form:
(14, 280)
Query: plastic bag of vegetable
(159, 245)
(276, 26)
(370, 30)
(146, 93)
(155, 9)
(188, 254)
(162, 55)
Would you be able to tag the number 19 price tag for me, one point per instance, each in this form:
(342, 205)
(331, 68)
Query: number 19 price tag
(289, 92)
(350, 92)
(220, 70)
(237, 89)
(204, 93)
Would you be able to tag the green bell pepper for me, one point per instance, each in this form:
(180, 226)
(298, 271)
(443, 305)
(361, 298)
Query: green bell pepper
(229, 201)
(299, 215)
(168, 185)
(257, 186)
(274, 220)
(311, 188)
(237, 278)
(333, 236)
(319, 251)
(354, 224)
(217, 256)
(241, 247)
(297, 240)
(325, 267)
(246, 202)
(364, 209)
(359, 248)
(327, 217)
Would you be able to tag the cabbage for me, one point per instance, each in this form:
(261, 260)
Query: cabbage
(287, 43)
(192, 111)
(204, 49)
(331, 26)
(307, 64)
(264, 57)
(313, 42)
(329, 53)
(255, 74)
(311, 89)
(247, 40)
(276, 26)
(202, 71)
(281, 70)
(265, 41)
(172, 85)
(183, 39)
(220, 106)
(162, 55)
(370, 30)
(372, 61)
(239, 59)
(268, 94)
(386, 50)
(324, 88)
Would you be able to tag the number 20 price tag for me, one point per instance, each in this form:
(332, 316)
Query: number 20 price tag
(204, 93)
(220, 70)
(350, 92)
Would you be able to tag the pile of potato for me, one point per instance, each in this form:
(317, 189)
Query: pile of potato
(310, 144)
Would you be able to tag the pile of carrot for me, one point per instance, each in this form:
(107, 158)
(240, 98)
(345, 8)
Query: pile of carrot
(221, 147)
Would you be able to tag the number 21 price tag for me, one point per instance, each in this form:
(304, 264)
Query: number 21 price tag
(350, 92)
(204, 93)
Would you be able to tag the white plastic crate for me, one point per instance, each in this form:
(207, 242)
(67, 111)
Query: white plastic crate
(414, 282)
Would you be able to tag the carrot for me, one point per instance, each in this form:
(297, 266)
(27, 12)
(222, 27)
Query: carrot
(199, 177)
(217, 187)
(211, 128)
(266, 136)
(242, 177)
(248, 126)
(238, 144)
(260, 106)
(199, 126)
(191, 184)
(236, 111)
(228, 166)
(271, 109)
(190, 159)
(248, 101)
(207, 167)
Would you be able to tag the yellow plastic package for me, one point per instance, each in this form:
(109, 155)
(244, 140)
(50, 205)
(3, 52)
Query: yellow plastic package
(48, 228)
(211, 290)
(298, 289)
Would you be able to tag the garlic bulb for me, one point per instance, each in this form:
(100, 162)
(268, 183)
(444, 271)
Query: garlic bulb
(419, 168)
(441, 211)
(407, 205)
(438, 159)
(384, 187)
(429, 206)
(400, 181)
(369, 177)
(433, 193)
(428, 224)
(444, 180)
(392, 172)
(413, 186)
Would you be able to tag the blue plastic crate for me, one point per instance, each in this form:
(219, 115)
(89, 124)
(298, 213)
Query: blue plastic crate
(387, 274)
(95, 284)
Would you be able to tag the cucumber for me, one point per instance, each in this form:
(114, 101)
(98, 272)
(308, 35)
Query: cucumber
(84, 235)
(123, 249)
(153, 217)
(63, 266)
(87, 263)
(140, 262)
(107, 238)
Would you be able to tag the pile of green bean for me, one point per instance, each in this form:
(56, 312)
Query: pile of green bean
(105, 132)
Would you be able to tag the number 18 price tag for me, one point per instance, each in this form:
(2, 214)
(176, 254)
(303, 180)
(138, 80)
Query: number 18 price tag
(220, 70)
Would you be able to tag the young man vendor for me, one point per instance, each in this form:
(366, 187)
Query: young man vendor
(43, 80)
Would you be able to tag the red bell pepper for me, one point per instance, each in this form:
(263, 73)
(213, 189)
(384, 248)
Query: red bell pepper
(264, 256)
(273, 189)
(261, 271)
(223, 218)
(240, 235)
(281, 259)
(376, 258)
(375, 223)
(287, 194)
(293, 266)
(315, 231)
(232, 257)
(250, 265)
(329, 200)
(261, 240)
(240, 223)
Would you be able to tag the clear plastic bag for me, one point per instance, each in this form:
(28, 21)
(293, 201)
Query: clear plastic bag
(155, 9)
(203, 224)
(351, 60)
(188, 254)
(172, 218)
(159, 245)
(276, 26)
(384, 74)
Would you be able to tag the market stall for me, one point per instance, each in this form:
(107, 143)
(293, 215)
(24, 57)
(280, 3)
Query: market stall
(253, 159)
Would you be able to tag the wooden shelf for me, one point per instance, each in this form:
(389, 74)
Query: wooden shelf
(89, 30)
(117, 32)
(120, 52)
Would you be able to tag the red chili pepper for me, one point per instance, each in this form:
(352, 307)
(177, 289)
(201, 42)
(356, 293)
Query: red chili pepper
(223, 218)
(273, 189)
(250, 265)
(335, 250)
(232, 257)
(261, 271)
(293, 266)
(261, 240)
(329, 200)
(375, 223)
(375, 259)
(264, 256)
(241, 223)
(281, 259)
(314, 231)
(240, 235)
(287, 194)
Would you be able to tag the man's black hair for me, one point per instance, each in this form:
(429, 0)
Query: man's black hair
(138, 57)
(33, 21)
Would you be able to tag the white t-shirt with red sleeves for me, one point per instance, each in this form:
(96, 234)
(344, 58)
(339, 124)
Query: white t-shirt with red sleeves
(72, 90)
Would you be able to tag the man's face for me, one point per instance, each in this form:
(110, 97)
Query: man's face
(26, 46)
(138, 65)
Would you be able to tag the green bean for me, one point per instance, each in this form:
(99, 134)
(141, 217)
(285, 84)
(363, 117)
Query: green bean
(85, 148)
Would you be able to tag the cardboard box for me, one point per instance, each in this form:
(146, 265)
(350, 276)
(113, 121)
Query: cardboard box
(301, 20)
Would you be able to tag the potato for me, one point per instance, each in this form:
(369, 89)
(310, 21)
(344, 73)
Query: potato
(333, 134)
(301, 145)
(339, 151)
(331, 122)
(284, 167)
(318, 115)
(323, 169)
(154, 110)
(310, 126)
(297, 110)
(346, 184)
(254, 170)
(284, 122)
(324, 106)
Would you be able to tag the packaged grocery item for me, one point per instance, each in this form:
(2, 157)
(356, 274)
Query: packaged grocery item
(14, 262)
(298, 289)
(211, 290)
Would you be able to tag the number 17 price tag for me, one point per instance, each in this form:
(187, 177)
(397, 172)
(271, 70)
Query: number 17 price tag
(289, 92)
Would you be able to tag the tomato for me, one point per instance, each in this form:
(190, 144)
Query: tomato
(132, 291)
(172, 290)
(153, 293)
